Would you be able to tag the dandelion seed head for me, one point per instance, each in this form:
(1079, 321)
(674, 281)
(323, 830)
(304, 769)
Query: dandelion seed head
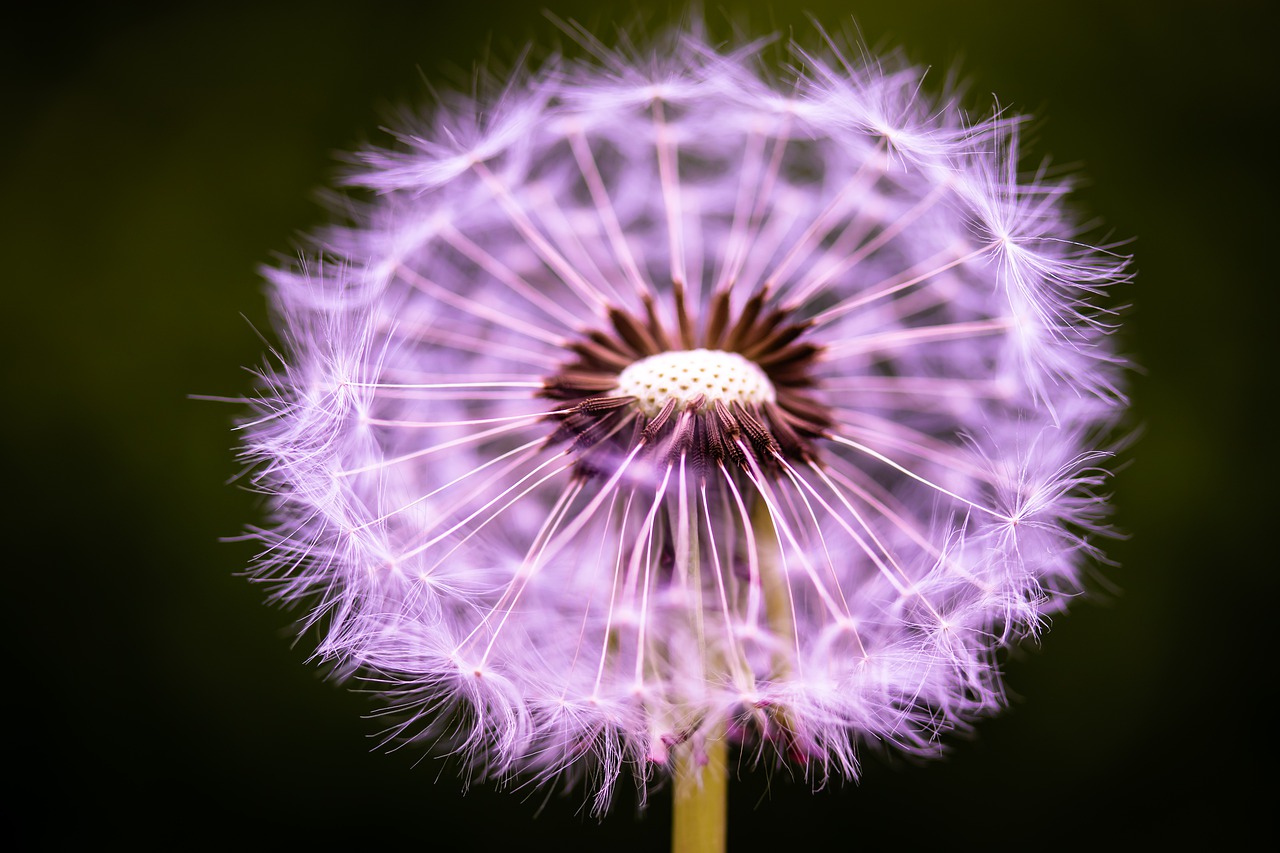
(657, 400)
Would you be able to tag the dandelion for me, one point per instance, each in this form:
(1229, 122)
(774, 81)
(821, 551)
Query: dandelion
(662, 406)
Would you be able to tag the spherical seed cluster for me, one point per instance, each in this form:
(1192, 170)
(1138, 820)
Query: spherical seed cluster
(685, 375)
(550, 569)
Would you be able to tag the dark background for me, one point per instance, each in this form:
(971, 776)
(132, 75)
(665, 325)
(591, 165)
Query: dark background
(152, 160)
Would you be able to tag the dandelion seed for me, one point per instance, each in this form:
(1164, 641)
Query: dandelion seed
(656, 408)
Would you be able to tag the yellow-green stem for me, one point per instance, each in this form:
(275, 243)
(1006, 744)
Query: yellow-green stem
(777, 597)
(699, 822)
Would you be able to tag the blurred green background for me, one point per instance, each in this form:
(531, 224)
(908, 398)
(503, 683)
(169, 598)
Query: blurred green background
(154, 158)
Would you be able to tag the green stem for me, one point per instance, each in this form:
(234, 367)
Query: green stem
(700, 806)
(777, 597)
(701, 788)
(699, 821)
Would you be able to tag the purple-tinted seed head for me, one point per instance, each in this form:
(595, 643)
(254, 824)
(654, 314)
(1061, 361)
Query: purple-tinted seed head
(660, 401)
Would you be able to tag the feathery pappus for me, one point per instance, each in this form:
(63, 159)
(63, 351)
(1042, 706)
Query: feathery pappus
(663, 399)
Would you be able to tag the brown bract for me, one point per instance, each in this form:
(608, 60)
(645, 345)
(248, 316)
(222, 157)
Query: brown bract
(603, 425)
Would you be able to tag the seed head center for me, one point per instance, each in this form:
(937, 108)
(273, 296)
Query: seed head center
(683, 375)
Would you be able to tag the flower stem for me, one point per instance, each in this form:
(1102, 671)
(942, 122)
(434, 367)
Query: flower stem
(777, 597)
(699, 822)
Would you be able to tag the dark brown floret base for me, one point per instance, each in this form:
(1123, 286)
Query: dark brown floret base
(600, 425)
